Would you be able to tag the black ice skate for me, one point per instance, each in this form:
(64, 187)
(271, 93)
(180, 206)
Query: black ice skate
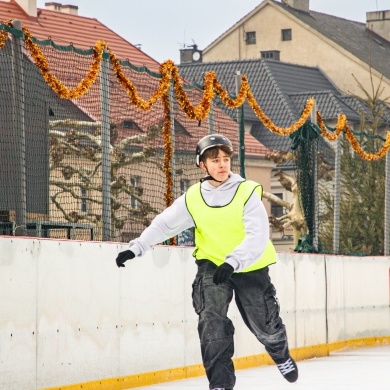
(289, 369)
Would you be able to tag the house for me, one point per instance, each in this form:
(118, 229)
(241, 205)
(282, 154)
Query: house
(36, 104)
(281, 89)
(70, 63)
(289, 31)
(64, 25)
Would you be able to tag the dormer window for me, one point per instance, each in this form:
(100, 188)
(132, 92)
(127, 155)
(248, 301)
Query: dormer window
(271, 55)
(129, 124)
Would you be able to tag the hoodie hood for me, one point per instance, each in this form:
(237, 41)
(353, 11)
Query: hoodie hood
(223, 194)
(232, 181)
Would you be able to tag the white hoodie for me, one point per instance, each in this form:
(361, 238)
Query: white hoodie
(176, 218)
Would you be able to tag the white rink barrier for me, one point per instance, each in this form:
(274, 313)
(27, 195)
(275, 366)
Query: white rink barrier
(68, 315)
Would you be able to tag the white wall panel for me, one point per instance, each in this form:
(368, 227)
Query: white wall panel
(18, 296)
(358, 297)
(310, 292)
(69, 315)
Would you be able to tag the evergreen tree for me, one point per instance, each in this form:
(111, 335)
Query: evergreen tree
(362, 186)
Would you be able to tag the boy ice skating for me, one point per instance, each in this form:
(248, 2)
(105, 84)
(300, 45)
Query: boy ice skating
(232, 252)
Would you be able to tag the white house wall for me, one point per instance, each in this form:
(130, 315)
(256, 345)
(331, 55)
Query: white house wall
(307, 47)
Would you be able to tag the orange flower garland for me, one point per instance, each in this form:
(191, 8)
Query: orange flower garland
(342, 124)
(357, 148)
(131, 90)
(4, 33)
(168, 151)
(61, 90)
(169, 72)
(280, 130)
(3, 38)
(227, 100)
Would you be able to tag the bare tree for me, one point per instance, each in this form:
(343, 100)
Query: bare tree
(294, 216)
(75, 171)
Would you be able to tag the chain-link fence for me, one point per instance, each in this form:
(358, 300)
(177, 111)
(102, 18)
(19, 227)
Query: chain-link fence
(93, 167)
(99, 162)
(342, 195)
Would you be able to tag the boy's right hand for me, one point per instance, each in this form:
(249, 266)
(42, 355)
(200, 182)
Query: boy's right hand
(124, 256)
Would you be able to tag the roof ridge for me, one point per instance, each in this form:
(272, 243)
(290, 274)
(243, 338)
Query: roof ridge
(319, 92)
(311, 12)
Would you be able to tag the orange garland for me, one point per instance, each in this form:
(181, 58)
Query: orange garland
(342, 124)
(168, 149)
(60, 89)
(3, 38)
(135, 99)
(199, 112)
(281, 130)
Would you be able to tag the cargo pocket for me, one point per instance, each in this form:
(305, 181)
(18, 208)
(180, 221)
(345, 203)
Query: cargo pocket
(272, 305)
(197, 295)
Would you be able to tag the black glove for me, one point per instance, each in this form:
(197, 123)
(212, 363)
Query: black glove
(124, 256)
(223, 273)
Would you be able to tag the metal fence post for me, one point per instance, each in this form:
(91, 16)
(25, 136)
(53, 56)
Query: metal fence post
(337, 198)
(313, 119)
(173, 160)
(241, 128)
(105, 137)
(19, 131)
(387, 207)
(211, 119)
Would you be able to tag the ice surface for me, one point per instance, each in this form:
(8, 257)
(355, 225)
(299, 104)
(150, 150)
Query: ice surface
(358, 368)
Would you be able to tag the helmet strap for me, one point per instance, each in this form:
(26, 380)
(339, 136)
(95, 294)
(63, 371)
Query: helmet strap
(208, 177)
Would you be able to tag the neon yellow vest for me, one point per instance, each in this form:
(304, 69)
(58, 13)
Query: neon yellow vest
(219, 230)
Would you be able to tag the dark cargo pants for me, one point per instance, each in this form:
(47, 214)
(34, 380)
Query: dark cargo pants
(256, 300)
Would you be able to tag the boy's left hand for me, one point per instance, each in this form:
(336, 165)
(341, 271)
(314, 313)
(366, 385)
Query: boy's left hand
(223, 273)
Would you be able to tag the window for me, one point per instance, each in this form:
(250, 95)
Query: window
(271, 55)
(250, 37)
(134, 182)
(276, 209)
(129, 124)
(83, 193)
(286, 34)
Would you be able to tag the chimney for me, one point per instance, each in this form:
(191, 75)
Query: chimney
(379, 23)
(301, 5)
(29, 7)
(190, 55)
(66, 9)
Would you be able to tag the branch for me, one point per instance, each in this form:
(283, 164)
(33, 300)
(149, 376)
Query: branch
(277, 200)
(74, 123)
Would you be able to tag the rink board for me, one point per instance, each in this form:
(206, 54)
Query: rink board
(69, 316)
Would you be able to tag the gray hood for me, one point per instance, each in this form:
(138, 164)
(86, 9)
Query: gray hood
(222, 195)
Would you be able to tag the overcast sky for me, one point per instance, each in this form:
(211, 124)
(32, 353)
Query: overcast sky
(163, 27)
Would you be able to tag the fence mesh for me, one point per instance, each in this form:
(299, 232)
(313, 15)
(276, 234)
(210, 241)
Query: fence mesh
(53, 149)
(96, 167)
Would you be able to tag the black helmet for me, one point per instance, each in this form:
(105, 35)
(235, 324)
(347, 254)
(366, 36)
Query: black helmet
(209, 141)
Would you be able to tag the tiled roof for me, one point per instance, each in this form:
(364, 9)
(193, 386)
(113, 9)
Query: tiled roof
(329, 103)
(82, 32)
(281, 90)
(352, 36)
